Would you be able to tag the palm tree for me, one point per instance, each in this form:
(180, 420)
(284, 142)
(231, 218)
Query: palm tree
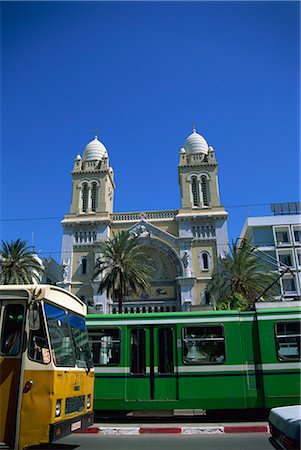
(242, 278)
(18, 265)
(123, 265)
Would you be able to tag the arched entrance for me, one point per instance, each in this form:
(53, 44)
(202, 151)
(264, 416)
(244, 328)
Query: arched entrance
(164, 295)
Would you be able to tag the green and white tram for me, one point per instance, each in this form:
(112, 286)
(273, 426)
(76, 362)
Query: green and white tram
(205, 360)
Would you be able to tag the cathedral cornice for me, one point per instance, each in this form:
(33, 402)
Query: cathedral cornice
(84, 221)
(202, 215)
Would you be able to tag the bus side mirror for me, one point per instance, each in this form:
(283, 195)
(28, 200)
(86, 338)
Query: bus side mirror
(34, 316)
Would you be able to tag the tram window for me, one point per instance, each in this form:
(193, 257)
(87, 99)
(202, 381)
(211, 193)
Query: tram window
(138, 351)
(203, 345)
(12, 331)
(105, 343)
(38, 348)
(165, 350)
(288, 336)
(60, 338)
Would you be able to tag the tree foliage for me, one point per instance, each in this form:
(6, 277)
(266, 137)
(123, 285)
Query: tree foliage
(241, 278)
(123, 267)
(18, 265)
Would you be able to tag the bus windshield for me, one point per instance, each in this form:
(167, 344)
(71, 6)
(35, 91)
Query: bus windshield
(68, 336)
(80, 341)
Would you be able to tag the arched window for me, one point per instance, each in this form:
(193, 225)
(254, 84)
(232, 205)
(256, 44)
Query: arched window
(84, 266)
(85, 197)
(204, 187)
(93, 197)
(195, 191)
(204, 261)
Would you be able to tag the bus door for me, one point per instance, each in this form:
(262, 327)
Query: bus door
(12, 336)
(152, 357)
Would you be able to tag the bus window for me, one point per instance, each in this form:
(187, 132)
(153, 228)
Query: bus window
(81, 341)
(138, 351)
(288, 340)
(105, 345)
(203, 345)
(12, 331)
(60, 338)
(165, 350)
(38, 346)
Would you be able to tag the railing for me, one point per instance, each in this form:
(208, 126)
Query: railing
(150, 215)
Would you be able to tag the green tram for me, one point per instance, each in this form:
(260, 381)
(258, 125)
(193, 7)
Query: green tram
(207, 360)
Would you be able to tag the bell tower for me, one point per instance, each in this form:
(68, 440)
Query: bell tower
(92, 182)
(198, 174)
(203, 235)
(88, 220)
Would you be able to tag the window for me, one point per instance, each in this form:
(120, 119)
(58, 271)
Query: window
(297, 234)
(38, 348)
(93, 196)
(105, 343)
(84, 266)
(204, 261)
(137, 351)
(60, 336)
(165, 350)
(282, 236)
(80, 340)
(289, 284)
(288, 340)
(204, 187)
(286, 258)
(298, 253)
(195, 191)
(203, 345)
(68, 338)
(85, 197)
(13, 324)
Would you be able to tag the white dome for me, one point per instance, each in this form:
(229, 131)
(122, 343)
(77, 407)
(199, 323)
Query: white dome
(94, 150)
(195, 143)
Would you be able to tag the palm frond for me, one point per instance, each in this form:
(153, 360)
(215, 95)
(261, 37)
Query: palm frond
(123, 266)
(17, 264)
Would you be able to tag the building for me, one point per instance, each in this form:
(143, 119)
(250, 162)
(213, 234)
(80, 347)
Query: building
(279, 236)
(53, 271)
(182, 245)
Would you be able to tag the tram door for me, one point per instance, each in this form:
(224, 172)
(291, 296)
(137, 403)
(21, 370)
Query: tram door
(12, 325)
(152, 355)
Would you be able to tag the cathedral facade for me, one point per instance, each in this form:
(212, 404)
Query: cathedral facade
(181, 245)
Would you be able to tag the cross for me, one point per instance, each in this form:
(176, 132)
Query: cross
(96, 133)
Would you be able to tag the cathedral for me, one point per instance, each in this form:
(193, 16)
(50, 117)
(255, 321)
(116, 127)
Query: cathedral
(182, 245)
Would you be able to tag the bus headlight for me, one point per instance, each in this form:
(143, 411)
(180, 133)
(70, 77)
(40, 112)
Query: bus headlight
(58, 407)
(88, 401)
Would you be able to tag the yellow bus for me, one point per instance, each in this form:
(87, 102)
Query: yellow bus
(46, 373)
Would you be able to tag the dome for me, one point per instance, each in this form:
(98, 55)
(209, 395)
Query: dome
(195, 143)
(94, 150)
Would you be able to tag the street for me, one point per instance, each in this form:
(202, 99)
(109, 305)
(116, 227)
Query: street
(242, 441)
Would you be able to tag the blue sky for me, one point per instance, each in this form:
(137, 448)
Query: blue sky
(141, 73)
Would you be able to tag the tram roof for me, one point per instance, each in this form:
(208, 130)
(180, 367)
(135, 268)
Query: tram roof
(292, 307)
